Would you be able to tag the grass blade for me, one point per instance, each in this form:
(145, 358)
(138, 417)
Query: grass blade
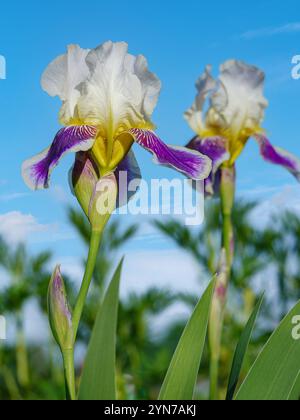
(182, 375)
(276, 371)
(241, 351)
(98, 381)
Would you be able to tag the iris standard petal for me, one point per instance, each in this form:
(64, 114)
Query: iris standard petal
(216, 149)
(120, 93)
(278, 156)
(189, 162)
(238, 104)
(62, 78)
(194, 115)
(127, 172)
(37, 170)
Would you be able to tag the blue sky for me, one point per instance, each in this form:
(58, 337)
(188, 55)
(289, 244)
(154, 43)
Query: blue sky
(178, 38)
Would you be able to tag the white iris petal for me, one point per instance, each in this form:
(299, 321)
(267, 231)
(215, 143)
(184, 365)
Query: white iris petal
(194, 115)
(105, 87)
(63, 76)
(120, 93)
(239, 100)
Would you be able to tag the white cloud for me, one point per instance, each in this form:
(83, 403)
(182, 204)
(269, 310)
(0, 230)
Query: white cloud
(171, 269)
(271, 31)
(36, 325)
(16, 227)
(4, 279)
(72, 267)
(283, 198)
(258, 191)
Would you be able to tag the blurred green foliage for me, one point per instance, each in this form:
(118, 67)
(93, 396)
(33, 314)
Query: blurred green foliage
(266, 258)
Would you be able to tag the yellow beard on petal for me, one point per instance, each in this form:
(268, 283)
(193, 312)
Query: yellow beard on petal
(237, 138)
(238, 141)
(121, 147)
(108, 153)
(99, 152)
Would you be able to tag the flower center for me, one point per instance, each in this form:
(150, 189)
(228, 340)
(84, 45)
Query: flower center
(109, 153)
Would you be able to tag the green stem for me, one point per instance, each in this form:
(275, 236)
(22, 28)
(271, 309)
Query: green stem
(215, 330)
(68, 354)
(91, 263)
(227, 239)
(69, 370)
(22, 356)
(227, 194)
(213, 372)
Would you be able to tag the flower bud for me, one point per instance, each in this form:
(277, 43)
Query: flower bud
(103, 202)
(83, 180)
(97, 196)
(60, 316)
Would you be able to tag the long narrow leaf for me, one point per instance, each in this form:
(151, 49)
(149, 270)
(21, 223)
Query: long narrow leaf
(276, 371)
(182, 375)
(295, 393)
(241, 351)
(98, 381)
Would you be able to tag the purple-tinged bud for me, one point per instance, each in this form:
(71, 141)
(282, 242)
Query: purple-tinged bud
(83, 180)
(103, 202)
(96, 195)
(60, 316)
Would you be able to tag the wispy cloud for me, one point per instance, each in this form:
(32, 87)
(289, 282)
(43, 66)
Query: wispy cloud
(173, 270)
(271, 31)
(16, 227)
(13, 196)
(286, 198)
(258, 191)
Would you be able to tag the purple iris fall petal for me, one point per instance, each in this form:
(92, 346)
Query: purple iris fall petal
(189, 162)
(278, 156)
(36, 171)
(216, 149)
(127, 172)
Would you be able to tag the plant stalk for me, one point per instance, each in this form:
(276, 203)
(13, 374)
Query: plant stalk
(69, 372)
(227, 195)
(90, 267)
(68, 354)
(21, 353)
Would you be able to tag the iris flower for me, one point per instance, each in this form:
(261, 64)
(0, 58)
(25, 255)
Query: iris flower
(235, 114)
(108, 97)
